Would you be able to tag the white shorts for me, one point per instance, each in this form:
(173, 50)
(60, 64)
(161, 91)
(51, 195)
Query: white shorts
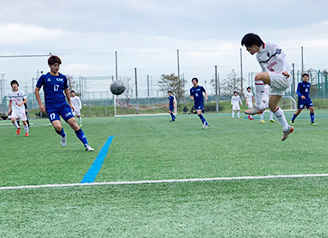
(250, 105)
(279, 83)
(19, 114)
(77, 113)
(235, 108)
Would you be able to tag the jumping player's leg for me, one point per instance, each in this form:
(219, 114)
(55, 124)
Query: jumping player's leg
(233, 113)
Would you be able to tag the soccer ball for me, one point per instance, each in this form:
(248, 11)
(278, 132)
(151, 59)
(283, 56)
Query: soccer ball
(117, 87)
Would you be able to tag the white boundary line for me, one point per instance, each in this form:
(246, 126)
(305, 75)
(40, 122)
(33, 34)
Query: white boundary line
(163, 181)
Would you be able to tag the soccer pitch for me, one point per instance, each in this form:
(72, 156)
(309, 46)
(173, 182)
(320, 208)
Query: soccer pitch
(151, 149)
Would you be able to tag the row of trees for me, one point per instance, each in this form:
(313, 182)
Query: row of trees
(171, 82)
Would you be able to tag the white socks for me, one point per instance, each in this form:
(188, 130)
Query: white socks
(238, 114)
(16, 125)
(26, 128)
(271, 115)
(281, 118)
(259, 91)
(233, 114)
(80, 120)
(262, 116)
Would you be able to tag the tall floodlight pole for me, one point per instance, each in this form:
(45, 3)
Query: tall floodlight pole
(216, 88)
(302, 63)
(116, 77)
(293, 94)
(136, 83)
(241, 72)
(179, 85)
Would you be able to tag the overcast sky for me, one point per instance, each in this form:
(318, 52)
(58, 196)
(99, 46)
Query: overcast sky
(147, 33)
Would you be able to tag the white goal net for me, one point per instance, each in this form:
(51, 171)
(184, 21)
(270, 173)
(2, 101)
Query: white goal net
(141, 107)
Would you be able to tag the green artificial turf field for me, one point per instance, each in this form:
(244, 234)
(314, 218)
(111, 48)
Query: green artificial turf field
(152, 148)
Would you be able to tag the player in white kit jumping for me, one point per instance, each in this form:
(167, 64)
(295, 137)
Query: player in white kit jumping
(275, 72)
(77, 104)
(235, 100)
(16, 108)
(249, 98)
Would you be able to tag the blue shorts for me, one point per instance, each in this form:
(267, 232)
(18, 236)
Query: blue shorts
(304, 103)
(171, 109)
(199, 106)
(64, 111)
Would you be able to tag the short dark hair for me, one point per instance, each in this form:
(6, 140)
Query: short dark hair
(251, 39)
(169, 92)
(54, 59)
(72, 91)
(303, 74)
(235, 92)
(194, 79)
(248, 88)
(14, 81)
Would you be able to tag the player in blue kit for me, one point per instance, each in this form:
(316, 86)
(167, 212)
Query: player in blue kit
(54, 86)
(304, 100)
(171, 106)
(196, 94)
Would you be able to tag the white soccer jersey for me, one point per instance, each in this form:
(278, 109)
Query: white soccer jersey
(272, 59)
(16, 98)
(235, 100)
(249, 99)
(76, 103)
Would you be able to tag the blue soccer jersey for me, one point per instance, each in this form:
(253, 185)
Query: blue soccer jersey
(171, 103)
(303, 89)
(53, 87)
(197, 94)
(55, 102)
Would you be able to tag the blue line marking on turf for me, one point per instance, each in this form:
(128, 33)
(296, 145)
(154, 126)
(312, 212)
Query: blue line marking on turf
(93, 171)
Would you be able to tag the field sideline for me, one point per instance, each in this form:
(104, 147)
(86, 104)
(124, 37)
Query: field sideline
(161, 179)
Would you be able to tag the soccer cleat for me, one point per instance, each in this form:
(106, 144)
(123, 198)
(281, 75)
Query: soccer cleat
(18, 131)
(286, 133)
(313, 124)
(250, 118)
(254, 110)
(27, 135)
(172, 120)
(89, 148)
(238, 117)
(63, 141)
(273, 121)
(204, 125)
(291, 123)
(262, 122)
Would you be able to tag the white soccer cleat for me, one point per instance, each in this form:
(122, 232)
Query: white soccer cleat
(63, 141)
(89, 148)
(254, 110)
(286, 133)
(206, 127)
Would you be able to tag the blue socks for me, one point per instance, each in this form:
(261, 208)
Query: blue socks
(294, 117)
(202, 118)
(172, 116)
(80, 134)
(62, 133)
(312, 117)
